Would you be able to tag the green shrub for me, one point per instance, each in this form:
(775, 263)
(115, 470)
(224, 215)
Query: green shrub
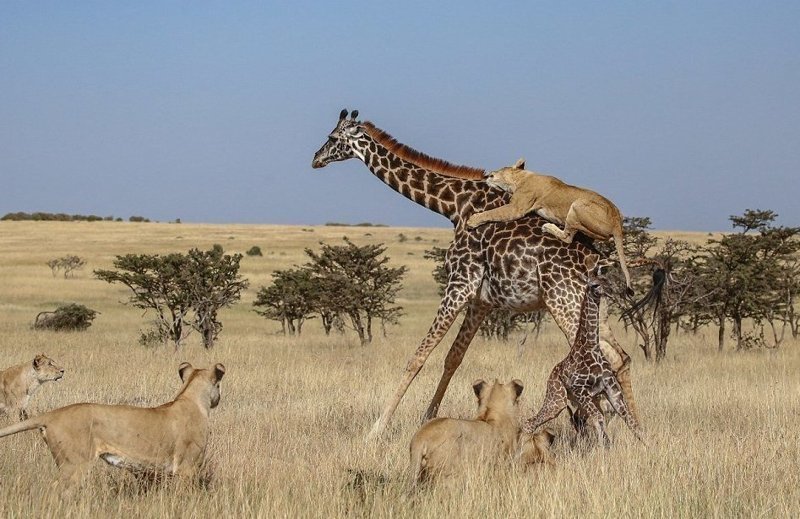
(69, 317)
(255, 250)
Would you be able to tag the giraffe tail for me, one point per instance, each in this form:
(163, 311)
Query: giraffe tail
(652, 297)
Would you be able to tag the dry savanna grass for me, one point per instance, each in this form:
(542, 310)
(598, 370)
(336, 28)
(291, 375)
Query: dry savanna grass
(288, 436)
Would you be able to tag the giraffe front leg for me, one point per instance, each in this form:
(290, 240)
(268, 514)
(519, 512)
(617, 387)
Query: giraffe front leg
(555, 400)
(455, 298)
(476, 312)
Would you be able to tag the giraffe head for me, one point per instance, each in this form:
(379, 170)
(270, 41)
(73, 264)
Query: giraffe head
(597, 285)
(339, 144)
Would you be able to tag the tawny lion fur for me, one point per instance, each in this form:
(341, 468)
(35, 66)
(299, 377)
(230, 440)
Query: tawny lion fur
(169, 439)
(576, 208)
(442, 445)
(18, 383)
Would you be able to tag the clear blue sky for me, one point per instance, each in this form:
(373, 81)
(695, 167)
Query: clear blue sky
(686, 112)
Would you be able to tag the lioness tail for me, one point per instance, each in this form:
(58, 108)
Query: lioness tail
(621, 253)
(27, 425)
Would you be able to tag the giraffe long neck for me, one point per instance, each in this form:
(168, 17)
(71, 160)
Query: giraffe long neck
(588, 327)
(453, 198)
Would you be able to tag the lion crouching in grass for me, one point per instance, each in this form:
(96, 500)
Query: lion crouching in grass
(18, 383)
(169, 439)
(442, 445)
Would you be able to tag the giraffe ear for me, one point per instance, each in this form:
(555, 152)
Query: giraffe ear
(519, 164)
(354, 114)
(343, 114)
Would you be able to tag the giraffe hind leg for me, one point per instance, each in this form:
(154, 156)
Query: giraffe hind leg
(452, 303)
(472, 321)
(595, 416)
(614, 394)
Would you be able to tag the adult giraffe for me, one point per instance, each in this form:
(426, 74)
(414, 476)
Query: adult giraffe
(510, 265)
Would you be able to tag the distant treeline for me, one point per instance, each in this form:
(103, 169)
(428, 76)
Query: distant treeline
(63, 217)
(362, 224)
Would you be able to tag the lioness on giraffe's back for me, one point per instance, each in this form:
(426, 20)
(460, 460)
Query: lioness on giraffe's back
(576, 208)
(169, 439)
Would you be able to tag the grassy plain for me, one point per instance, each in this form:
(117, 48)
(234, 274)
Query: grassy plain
(289, 433)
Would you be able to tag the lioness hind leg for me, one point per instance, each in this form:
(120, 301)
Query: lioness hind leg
(572, 225)
(71, 474)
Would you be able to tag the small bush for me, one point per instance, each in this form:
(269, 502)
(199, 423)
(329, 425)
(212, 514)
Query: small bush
(255, 250)
(152, 337)
(69, 317)
(69, 264)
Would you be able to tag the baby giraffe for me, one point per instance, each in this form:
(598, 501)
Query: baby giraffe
(584, 374)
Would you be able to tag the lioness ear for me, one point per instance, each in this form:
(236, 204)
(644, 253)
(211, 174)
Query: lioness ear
(219, 371)
(519, 164)
(477, 386)
(518, 387)
(183, 370)
(38, 361)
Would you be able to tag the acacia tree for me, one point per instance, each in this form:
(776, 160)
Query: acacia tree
(177, 285)
(211, 281)
(290, 299)
(69, 264)
(754, 274)
(358, 284)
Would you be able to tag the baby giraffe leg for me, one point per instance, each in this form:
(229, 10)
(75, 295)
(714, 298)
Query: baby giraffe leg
(555, 400)
(584, 399)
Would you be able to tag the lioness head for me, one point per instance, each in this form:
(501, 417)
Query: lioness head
(211, 377)
(496, 396)
(45, 369)
(508, 178)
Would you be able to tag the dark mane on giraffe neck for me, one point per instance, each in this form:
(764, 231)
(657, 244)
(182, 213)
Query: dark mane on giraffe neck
(421, 159)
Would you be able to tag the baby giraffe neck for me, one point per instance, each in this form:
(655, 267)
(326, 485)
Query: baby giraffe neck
(588, 336)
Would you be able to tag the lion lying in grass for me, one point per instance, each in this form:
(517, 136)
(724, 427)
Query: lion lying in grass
(18, 383)
(169, 439)
(443, 444)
